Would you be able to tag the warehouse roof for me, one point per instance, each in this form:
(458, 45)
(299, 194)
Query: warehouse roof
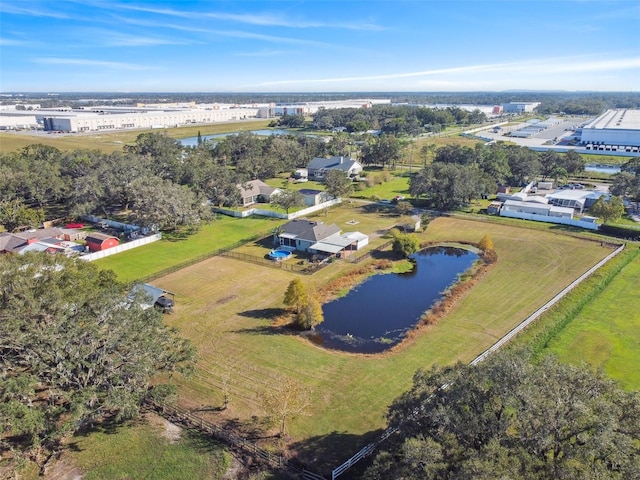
(620, 119)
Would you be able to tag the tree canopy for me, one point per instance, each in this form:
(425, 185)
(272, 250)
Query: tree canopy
(608, 210)
(511, 418)
(308, 311)
(73, 350)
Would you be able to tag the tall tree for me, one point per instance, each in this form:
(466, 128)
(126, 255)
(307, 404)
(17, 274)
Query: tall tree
(73, 350)
(164, 152)
(608, 210)
(510, 418)
(337, 183)
(162, 205)
(14, 214)
(288, 199)
(383, 150)
(311, 313)
(296, 295)
(285, 399)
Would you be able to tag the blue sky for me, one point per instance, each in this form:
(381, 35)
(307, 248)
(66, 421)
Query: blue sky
(318, 46)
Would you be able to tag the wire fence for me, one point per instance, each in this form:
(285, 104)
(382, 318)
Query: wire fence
(190, 421)
(203, 257)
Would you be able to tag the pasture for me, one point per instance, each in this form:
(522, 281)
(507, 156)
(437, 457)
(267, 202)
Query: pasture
(606, 331)
(175, 249)
(226, 308)
(114, 141)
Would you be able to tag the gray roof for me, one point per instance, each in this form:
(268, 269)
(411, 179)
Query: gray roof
(10, 242)
(304, 229)
(39, 233)
(333, 163)
(255, 187)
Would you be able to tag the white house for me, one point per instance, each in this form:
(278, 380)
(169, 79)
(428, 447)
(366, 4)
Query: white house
(316, 237)
(318, 167)
(257, 191)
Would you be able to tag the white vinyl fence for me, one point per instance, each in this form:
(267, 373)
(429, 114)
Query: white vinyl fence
(271, 213)
(121, 248)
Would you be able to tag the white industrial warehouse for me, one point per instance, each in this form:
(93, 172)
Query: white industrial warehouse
(614, 130)
(105, 118)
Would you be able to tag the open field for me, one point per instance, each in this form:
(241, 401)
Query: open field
(170, 251)
(606, 332)
(159, 451)
(224, 306)
(114, 141)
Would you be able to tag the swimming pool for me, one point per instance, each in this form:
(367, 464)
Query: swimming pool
(279, 254)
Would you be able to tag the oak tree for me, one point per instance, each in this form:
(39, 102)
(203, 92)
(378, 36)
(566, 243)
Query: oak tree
(73, 351)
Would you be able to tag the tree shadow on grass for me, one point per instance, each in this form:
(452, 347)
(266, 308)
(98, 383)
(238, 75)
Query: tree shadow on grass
(324, 453)
(108, 426)
(267, 330)
(263, 313)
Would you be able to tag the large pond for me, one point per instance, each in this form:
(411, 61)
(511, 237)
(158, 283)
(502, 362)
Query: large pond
(378, 313)
(193, 141)
(602, 168)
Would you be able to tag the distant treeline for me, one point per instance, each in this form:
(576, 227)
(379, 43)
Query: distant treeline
(587, 103)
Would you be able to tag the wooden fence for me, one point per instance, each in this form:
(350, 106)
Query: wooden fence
(190, 421)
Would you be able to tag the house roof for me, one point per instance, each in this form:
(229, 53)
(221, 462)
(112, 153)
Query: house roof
(39, 233)
(305, 229)
(333, 163)
(539, 207)
(10, 242)
(309, 191)
(99, 237)
(576, 194)
(256, 187)
(336, 242)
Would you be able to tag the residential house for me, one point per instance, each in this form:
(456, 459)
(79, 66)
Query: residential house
(318, 167)
(317, 238)
(16, 242)
(256, 191)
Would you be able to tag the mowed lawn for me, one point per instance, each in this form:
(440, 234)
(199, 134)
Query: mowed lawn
(224, 307)
(170, 251)
(606, 333)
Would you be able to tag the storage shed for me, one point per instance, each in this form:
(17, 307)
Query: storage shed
(99, 241)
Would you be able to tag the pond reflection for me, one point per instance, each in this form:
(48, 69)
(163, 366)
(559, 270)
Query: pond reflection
(379, 312)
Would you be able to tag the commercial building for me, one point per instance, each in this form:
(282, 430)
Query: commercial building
(135, 117)
(614, 130)
(519, 107)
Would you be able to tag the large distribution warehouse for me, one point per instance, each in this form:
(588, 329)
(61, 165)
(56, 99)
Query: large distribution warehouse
(614, 130)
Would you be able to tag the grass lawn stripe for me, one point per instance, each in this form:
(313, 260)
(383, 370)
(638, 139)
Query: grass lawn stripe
(220, 305)
(606, 333)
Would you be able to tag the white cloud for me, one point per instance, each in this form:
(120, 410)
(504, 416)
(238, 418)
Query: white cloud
(90, 63)
(264, 53)
(12, 42)
(30, 11)
(265, 19)
(114, 39)
(551, 66)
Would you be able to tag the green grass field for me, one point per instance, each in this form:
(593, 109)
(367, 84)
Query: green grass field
(606, 332)
(224, 307)
(141, 450)
(114, 141)
(171, 251)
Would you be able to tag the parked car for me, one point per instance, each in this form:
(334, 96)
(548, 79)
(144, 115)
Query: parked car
(164, 304)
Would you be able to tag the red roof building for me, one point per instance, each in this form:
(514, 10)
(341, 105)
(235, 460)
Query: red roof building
(99, 241)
